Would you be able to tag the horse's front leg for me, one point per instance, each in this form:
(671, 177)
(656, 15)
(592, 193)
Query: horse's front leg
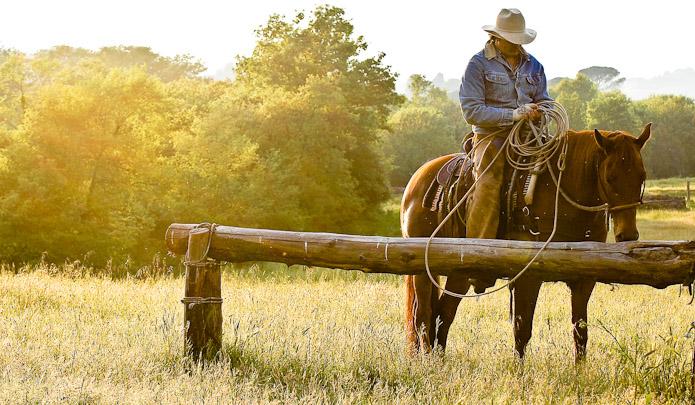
(524, 298)
(446, 309)
(581, 293)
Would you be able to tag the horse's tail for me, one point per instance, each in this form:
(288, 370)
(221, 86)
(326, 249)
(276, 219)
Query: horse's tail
(410, 308)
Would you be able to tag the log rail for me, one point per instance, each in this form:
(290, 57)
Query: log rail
(655, 263)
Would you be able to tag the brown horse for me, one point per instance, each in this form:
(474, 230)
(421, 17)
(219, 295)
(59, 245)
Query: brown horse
(601, 168)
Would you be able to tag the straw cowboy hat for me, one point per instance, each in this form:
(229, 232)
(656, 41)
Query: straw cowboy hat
(512, 27)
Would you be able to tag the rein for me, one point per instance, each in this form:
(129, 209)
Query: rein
(606, 207)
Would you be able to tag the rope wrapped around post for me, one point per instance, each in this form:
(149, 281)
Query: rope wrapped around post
(203, 295)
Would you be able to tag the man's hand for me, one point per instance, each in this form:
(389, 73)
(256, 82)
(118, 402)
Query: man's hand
(535, 114)
(527, 111)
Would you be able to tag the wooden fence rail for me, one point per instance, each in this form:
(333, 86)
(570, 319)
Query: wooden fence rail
(655, 263)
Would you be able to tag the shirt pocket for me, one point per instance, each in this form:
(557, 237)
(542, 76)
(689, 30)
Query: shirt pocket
(530, 84)
(497, 87)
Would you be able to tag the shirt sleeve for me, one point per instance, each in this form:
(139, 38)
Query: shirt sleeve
(542, 93)
(472, 97)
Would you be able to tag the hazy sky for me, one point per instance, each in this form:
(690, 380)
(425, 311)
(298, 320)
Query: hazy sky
(417, 36)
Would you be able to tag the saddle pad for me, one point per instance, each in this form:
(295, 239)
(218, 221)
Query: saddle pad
(450, 168)
(445, 177)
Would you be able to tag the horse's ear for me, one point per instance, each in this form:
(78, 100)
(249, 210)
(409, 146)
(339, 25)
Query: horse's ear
(600, 140)
(646, 133)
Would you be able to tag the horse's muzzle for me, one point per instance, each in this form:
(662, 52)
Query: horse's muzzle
(627, 236)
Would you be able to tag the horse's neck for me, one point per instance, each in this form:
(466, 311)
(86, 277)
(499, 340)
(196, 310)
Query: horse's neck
(580, 178)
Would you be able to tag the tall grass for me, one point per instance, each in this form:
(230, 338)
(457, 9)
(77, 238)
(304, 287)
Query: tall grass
(92, 339)
(674, 186)
(666, 224)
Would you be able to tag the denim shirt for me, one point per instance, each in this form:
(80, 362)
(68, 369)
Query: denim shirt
(491, 90)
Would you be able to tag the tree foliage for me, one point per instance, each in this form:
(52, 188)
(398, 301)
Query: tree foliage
(69, 59)
(427, 126)
(670, 151)
(606, 78)
(612, 111)
(13, 88)
(101, 150)
(314, 105)
(78, 171)
(575, 95)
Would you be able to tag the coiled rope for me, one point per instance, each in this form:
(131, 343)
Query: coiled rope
(533, 154)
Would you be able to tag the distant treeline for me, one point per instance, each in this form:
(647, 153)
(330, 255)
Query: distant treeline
(100, 151)
(592, 100)
(671, 149)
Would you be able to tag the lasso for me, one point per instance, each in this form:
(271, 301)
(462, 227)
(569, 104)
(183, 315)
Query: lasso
(533, 153)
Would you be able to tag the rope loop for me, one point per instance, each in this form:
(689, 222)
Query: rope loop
(201, 300)
(190, 302)
(204, 258)
(561, 161)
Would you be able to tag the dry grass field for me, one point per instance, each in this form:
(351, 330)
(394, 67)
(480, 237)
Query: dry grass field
(324, 338)
(314, 335)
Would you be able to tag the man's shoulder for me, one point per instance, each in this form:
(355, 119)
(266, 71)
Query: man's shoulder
(534, 60)
(479, 58)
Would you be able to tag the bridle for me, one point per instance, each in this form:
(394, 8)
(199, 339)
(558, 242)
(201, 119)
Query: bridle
(628, 205)
(606, 207)
(612, 208)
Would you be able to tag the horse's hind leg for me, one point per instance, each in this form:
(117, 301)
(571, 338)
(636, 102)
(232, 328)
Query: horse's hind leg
(581, 292)
(419, 313)
(524, 298)
(447, 306)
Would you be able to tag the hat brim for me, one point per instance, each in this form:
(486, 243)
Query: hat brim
(520, 38)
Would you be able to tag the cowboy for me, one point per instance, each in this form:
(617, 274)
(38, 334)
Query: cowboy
(502, 85)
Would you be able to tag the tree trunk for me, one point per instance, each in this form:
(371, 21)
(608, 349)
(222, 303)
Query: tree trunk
(655, 263)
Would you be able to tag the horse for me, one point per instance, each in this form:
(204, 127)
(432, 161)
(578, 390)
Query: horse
(601, 168)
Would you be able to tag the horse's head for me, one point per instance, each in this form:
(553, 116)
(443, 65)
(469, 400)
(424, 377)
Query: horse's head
(621, 178)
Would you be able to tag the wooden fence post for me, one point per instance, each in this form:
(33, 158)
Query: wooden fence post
(202, 301)
(687, 191)
(692, 376)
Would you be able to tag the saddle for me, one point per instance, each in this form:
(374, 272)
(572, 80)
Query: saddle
(447, 178)
(460, 166)
(456, 177)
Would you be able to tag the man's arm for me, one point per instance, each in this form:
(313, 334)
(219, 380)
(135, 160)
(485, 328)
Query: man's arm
(472, 97)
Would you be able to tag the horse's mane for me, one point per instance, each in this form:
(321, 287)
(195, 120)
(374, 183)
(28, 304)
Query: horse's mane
(584, 143)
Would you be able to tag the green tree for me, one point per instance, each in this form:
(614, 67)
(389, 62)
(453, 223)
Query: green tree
(166, 68)
(428, 126)
(670, 151)
(100, 151)
(575, 95)
(612, 111)
(314, 104)
(605, 77)
(14, 83)
(65, 61)
(79, 174)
